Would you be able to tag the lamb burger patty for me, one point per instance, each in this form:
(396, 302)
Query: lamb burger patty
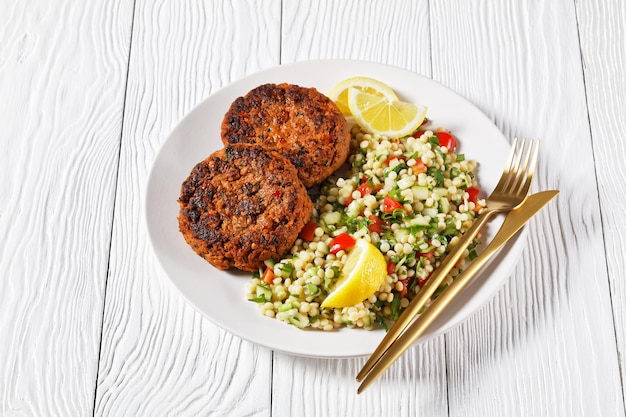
(242, 205)
(298, 122)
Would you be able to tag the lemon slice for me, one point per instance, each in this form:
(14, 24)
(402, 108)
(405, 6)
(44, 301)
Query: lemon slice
(379, 115)
(339, 93)
(364, 272)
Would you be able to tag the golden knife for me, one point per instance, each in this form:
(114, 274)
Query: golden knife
(513, 222)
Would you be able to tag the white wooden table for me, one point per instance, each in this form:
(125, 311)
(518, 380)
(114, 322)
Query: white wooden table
(90, 324)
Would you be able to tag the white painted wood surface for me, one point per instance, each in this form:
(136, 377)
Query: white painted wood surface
(604, 69)
(62, 75)
(89, 324)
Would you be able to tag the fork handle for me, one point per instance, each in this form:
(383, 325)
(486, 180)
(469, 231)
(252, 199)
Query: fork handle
(427, 291)
(417, 327)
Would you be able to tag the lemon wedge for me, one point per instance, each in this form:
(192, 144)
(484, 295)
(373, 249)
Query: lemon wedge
(379, 115)
(363, 273)
(339, 93)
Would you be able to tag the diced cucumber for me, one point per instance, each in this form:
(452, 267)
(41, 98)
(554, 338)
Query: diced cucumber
(265, 292)
(444, 205)
(313, 289)
(419, 221)
(420, 193)
(286, 307)
(299, 320)
(442, 192)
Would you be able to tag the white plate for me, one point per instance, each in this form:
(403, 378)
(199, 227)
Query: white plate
(220, 296)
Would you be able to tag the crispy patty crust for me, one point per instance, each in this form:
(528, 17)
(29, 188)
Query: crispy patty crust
(298, 122)
(242, 205)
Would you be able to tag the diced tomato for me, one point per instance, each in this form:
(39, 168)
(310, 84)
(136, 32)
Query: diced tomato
(377, 224)
(428, 254)
(404, 290)
(422, 281)
(398, 157)
(308, 231)
(391, 268)
(364, 189)
(419, 166)
(390, 204)
(268, 275)
(348, 200)
(341, 242)
(368, 183)
(446, 139)
(472, 193)
(406, 283)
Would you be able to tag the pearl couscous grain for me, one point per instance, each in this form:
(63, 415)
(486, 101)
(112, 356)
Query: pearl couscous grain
(408, 196)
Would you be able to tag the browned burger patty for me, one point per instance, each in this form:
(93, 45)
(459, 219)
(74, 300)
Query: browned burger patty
(300, 123)
(242, 205)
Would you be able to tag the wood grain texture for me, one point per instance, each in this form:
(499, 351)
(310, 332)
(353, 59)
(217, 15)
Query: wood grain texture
(603, 48)
(91, 91)
(415, 385)
(395, 33)
(391, 32)
(62, 75)
(159, 356)
(533, 350)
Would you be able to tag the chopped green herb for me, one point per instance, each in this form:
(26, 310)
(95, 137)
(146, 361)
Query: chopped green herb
(380, 320)
(287, 268)
(439, 290)
(395, 308)
(437, 174)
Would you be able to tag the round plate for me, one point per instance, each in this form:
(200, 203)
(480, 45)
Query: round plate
(221, 295)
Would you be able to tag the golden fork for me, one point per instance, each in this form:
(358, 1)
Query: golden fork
(510, 192)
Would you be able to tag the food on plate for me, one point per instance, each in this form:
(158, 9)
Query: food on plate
(409, 197)
(363, 273)
(381, 116)
(300, 123)
(405, 200)
(242, 205)
(339, 93)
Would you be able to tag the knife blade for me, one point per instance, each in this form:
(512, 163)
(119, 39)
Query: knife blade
(513, 222)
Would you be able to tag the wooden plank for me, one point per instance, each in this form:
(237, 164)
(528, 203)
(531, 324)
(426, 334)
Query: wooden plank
(415, 385)
(395, 33)
(603, 49)
(62, 77)
(159, 356)
(533, 350)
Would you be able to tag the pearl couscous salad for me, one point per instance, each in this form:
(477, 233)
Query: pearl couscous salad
(410, 197)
